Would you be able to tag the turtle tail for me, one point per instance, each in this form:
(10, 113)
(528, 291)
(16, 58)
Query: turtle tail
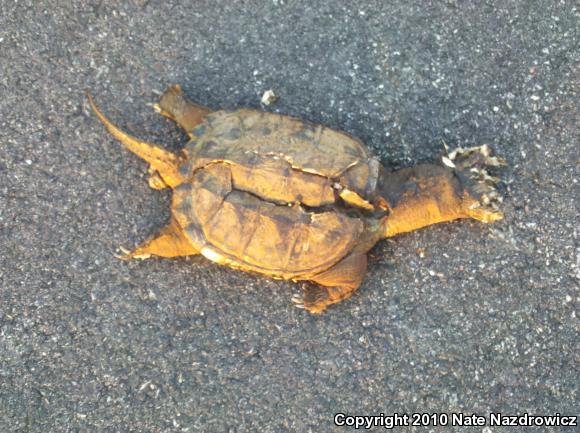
(164, 162)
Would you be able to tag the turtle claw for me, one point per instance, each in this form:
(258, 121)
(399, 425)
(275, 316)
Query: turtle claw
(298, 299)
(312, 300)
(155, 180)
(155, 106)
(126, 254)
(483, 199)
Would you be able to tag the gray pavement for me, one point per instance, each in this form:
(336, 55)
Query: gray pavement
(483, 321)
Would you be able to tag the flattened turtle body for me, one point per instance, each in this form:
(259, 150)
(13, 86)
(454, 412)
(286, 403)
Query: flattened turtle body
(286, 198)
(237, 228)
(286, 160)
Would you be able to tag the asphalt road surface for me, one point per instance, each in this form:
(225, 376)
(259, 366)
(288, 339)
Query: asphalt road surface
(456, 318)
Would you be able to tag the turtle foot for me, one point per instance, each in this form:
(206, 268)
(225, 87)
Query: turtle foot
(314, 299)
(482, 198)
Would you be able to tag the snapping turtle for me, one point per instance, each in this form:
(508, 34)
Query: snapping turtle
(286, 198)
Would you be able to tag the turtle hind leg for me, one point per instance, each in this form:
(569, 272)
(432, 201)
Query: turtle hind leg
(175, 106)
(171, 241)
(334, 285)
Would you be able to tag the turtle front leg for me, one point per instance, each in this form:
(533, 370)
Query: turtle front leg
(171, 241)
(175, 106)
(428, 194)
(336, 284)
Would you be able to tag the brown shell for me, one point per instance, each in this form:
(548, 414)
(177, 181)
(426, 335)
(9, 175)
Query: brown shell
(285, 160)
(237, 228)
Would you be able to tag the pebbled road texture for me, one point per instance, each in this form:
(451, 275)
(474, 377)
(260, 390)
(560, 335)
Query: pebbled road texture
(459, 317)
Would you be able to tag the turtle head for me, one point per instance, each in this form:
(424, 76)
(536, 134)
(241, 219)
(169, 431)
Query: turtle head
(172, 101)
(176, 106)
